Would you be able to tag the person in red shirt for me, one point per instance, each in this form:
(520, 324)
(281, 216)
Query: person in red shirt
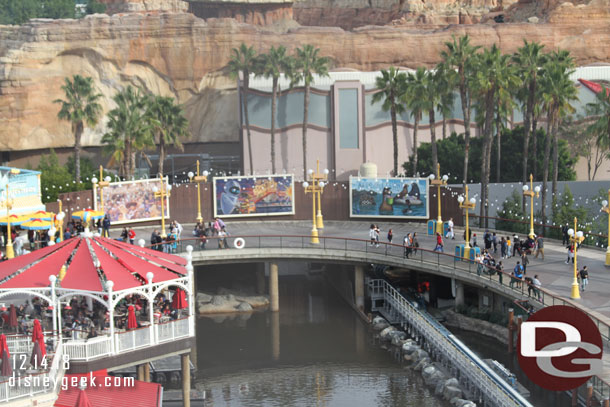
(439, 243)
(132, 235)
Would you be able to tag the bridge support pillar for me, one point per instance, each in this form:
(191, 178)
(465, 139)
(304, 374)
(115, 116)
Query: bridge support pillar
(606, 402)
(186, 379)
(459, 293)
(274, 296)
(146, 370)
(359, 287)
(275, 335)
(140, 372)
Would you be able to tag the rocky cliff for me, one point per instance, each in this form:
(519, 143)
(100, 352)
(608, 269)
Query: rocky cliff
(178, 54)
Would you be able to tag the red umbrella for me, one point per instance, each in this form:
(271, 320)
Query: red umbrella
(36, 358)
(132, 323)
(179, 299)
(82, 400)
(7, 369)
(38, 337)
(12, 317)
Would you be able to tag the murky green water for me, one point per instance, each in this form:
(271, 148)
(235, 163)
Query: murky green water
(315, 352)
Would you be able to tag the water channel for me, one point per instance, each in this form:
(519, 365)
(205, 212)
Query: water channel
(315, 352)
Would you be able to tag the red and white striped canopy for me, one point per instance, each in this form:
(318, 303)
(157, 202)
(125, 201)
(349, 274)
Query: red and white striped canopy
(124, 264)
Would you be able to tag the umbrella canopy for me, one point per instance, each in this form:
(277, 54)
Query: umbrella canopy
(179, 299)
(82, 400)
(15, 219)
(37, 224)
(132, 323)
(12, 317)
(44, 215)
(4, 345)
(6, 369)
(87, 215)
(37, 356)
(38, 337)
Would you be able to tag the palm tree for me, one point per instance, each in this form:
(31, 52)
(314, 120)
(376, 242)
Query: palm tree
(508, 81)
(169, 124)
(272, 65)
(557, 93)
(129, 130)
(459, 59)
(391, 85)
(529, 59)
(80, 108)
(433, 100)
(415, 99)
(600, 109)
(307, 64)
(243, 60)
(445, 91)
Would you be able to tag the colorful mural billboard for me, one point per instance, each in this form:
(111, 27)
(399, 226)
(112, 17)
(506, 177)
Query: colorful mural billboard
(24, 190)
(132, 201)
(389, 197)
(254, 196)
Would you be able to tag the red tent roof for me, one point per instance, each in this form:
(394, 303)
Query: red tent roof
(594, 87)
(126, 265)
(142, 394)
(170, 258)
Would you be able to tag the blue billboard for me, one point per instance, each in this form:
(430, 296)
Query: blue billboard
(389, 198)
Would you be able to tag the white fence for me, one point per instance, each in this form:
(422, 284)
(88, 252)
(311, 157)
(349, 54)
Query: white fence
(31, 384)
(172, 330)
(87, 349)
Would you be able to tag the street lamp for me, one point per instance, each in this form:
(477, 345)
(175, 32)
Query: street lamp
(198, 179)
(531, 192)
(314, 188)
(162, 193)
(607, 210)
(467, 204)
(103, 182)
(575, 238)
(318, 179)
(60, 218)
(438, 181)
(10, 253)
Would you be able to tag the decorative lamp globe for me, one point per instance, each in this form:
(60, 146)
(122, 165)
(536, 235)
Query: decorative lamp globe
(61, 215)
(169, 188)
(52, 278)
(94, 180)
(445, 177)
(149, 276)
(108, 178)
(326, 171)
(322, 184)
(473, 201)
(310, 171)
(571, 232)
(525, 188)
(155, 189)
(605, 203)
(579, 234)
(305, 184)
(460, 199)
(537, 189)
(431, 176)
(205, 173)
(109, 284)
(190, 174)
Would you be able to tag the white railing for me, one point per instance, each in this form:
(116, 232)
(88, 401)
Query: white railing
(32, 384)
(88, 348)
(168, 331)
(131, 340)
(22, 343)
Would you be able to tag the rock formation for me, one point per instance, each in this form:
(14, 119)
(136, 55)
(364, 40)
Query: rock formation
(178, 54)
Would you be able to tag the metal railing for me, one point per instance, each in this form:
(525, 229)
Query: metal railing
(31, 384)
(87, 349)
(133, 339)
(168, 331)
(495, 390)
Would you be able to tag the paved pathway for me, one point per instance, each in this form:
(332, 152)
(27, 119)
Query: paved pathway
(554, 274)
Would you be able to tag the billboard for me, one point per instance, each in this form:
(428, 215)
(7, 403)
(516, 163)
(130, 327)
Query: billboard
(24, 191)
(131, 201)
(269, 195)
(388, 198)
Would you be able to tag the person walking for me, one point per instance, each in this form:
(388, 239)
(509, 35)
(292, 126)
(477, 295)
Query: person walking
(524, 261)
(500, 271)
(537, 284)
(106, 226)
(473, 242)
(390, 235)
(407, 244)
(414, 242)
(439, 243)
(494, 242)
(570, 253)
(372, 234)
(564, 234)
(450, 232)
(503, 247)
(377, 232)
(584, 278)
(539, 247)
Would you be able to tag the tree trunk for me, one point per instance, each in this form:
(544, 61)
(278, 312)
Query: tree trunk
(133, 164)
(273, 107)
(305, 116)
(161, 153)
(128, 160)
(444, 126)
(433, 140)
(555, 156)
(415, 128)
(246, 85)
(498, 144)
(394, 135)
(545, 165)
(466, 113)
(78, 134)
(526, 133)
(487, 143)
(534, 148)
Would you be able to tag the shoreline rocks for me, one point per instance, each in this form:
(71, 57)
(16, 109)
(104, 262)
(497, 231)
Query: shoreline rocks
(228, 302)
